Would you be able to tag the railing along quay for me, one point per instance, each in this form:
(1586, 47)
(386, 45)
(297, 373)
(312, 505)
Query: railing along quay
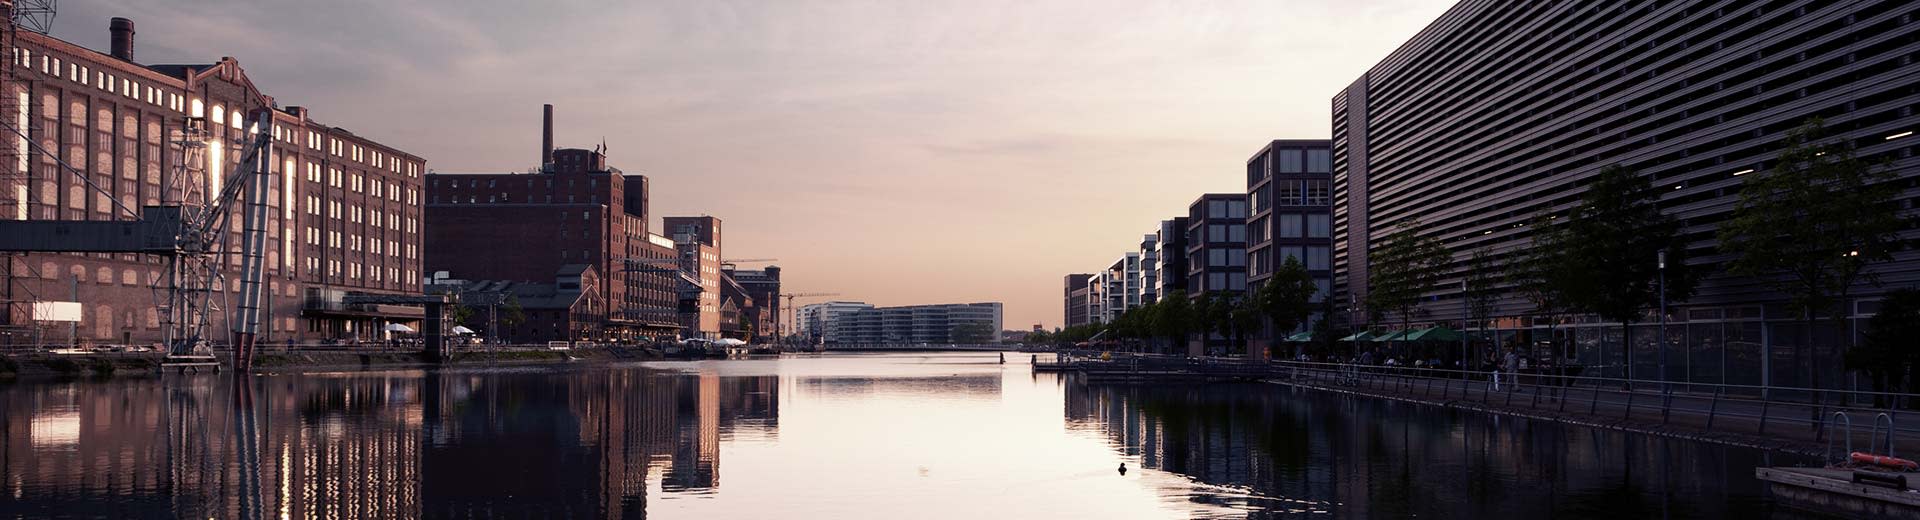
(1797, 414)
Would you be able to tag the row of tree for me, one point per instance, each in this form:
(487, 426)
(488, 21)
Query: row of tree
(1283, 302)
(1809, 226)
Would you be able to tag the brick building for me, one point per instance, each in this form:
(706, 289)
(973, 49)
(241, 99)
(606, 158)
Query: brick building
(698, 239)
(763, 286)
(575, 210)
(344, 209)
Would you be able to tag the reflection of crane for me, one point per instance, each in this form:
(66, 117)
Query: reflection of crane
(794, 313)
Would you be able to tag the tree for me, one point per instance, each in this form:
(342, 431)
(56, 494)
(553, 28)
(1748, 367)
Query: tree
(1482, 278)
(1039, 337)
(1286, 299)
(511, 314)
(1888, 356)
(1613, 240)
(1243, 315)
(1402, 270)
(1811, 226)
(1175, 319)
(1216, 316)
(1543, 274)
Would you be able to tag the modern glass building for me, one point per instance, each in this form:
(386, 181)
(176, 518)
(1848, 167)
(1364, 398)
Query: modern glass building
(1501, 111)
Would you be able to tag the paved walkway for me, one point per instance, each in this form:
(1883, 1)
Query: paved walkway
(1745, 421)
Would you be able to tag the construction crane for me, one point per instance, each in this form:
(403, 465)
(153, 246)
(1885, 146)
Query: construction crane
(728, 264)
(189, 236)
(793, 313)
(188, 232)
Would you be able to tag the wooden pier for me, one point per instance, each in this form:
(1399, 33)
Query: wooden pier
(1840, 492)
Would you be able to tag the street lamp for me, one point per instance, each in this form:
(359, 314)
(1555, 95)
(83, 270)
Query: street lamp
(1664, 388)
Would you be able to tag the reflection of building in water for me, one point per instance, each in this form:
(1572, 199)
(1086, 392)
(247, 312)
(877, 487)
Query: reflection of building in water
(373, 445)
(336, 449)
(1363, 457)
(983, 385)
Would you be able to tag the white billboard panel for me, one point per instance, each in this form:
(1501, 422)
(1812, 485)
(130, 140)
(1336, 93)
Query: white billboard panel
(57, 311)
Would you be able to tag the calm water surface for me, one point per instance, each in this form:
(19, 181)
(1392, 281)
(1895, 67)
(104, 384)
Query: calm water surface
(835, 436)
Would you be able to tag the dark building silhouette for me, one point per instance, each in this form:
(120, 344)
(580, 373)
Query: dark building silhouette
(1290, 199)
(1216, 256)
(1498, 112)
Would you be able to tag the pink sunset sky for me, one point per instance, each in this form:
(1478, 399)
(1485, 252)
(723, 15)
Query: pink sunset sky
(895, 152)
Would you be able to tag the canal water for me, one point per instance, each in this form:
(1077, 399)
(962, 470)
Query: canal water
(944, 435)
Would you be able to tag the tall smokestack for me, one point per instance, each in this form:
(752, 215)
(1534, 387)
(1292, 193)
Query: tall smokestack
(546, 139)
(122, 29)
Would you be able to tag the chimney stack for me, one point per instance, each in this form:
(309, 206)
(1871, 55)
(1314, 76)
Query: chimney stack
(546, 139)
(122, 29)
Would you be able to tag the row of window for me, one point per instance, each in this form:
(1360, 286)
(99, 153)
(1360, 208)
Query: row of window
(130, 88)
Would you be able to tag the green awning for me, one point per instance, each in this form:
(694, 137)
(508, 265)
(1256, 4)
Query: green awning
(1433, 334)
(1300, 338)
(1359, 336)
(1398, 335)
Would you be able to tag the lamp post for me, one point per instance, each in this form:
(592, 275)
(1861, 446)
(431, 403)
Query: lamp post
(1466, 301)
(1664, 388)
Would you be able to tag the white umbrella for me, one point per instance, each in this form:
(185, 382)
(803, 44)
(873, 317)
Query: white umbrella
(396, 327)
(730, 342)
(462, 329)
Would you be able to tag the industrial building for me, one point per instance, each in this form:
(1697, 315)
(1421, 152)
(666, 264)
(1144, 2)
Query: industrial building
(107, 135)
(574, 209)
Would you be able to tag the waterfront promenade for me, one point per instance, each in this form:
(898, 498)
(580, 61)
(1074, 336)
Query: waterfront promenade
(1810, 421)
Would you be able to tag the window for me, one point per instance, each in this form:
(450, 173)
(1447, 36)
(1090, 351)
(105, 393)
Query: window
(1216, 233)
(1216, 209)
(1289, 161)
(1290, 251)
(1319, 161)
(1236, 209)
(1317, 258)
(1289, 226)
(1318, 193)
(1319, 225)
(1237, 233)
(1286, 192)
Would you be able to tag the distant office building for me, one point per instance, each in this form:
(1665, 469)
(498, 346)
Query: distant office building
(575, 210)
(343, 211)
(1172, 247)
(1077, 305)
(1149, 286)
(1217, 253)
(699, 241)
(1501, 111)
(1120, 287)
(816, 320)
(1289, 189)
(913, 324)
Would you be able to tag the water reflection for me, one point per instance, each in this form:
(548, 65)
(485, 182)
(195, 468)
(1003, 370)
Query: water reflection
(924, 436)
(1299, 451)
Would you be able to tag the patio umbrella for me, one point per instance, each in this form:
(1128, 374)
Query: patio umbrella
(396, 327)
(1303, 337)
(462, 329)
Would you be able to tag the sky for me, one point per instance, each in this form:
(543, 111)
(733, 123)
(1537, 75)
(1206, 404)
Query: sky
(893, 152)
